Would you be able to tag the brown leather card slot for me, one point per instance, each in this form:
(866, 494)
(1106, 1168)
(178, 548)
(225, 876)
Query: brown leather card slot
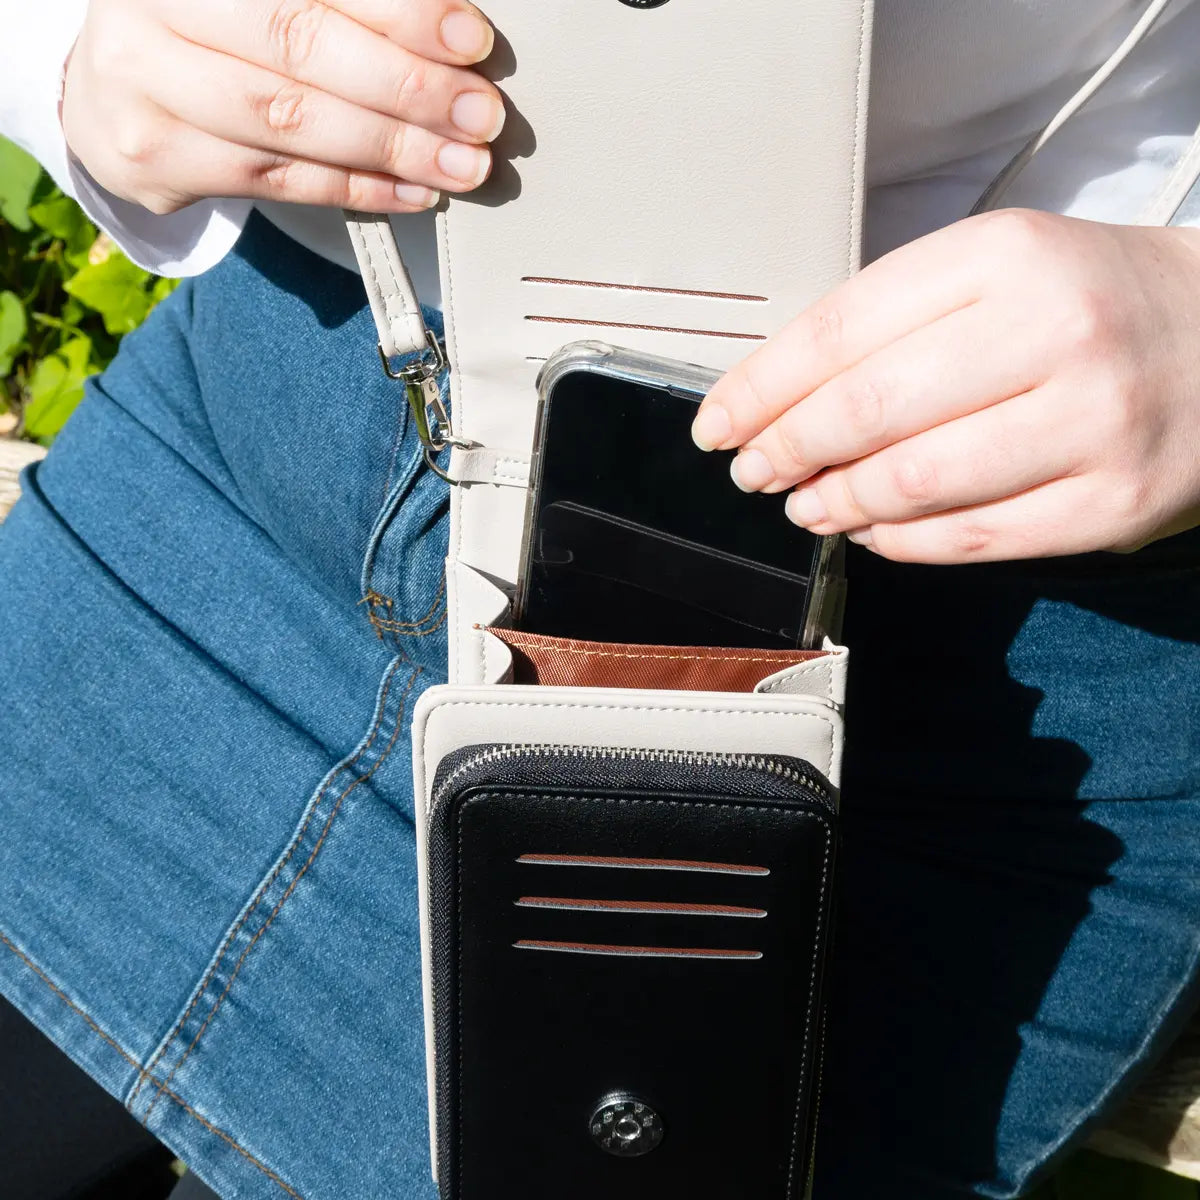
(563, 662)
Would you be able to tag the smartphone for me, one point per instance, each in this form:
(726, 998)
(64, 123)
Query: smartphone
(634, 535)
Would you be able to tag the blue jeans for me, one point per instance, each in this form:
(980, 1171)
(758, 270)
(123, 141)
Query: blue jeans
(222, 596)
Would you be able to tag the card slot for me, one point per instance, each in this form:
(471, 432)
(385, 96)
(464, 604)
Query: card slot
(631, 927)
(644, 288)
(613, 887)
(645, 907)
(615, 951)
(615, 862)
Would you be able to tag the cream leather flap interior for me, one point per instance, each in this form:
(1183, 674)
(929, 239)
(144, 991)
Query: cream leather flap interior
(681, 180)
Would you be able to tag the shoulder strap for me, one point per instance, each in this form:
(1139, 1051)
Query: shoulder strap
(998, 188)
(1165, 208)
(393, 299)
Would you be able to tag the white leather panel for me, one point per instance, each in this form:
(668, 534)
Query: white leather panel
(449, 718)
(699, 147)
(821, 677)
(476, 656)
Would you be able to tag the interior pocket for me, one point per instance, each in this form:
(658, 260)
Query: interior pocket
(565, 662)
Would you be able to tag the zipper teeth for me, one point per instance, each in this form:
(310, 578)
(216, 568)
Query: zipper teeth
(751, 762)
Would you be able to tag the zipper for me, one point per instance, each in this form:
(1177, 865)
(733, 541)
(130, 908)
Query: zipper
(748, 762)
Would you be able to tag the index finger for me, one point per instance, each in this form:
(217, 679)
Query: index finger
(913, 286)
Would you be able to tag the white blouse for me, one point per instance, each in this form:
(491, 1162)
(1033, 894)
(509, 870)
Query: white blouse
(958, 86)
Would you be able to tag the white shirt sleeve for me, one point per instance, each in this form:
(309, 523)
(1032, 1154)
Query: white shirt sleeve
(38, 37)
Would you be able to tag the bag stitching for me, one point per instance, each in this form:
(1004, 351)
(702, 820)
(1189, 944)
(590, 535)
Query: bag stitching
(860, 134)
(736, 658)
(129, 1058)
(383, 757)
(801, 671)
(264, 888)
(400, 292)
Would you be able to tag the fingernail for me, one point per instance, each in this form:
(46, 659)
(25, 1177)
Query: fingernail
(806, 508)
(478, 115)
(465, 34)
(861, 537)
(712, 427)
(469, 164)
(417, 195)
(751, 471)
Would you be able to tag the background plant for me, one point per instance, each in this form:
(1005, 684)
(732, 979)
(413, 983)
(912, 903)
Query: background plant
(67, 296)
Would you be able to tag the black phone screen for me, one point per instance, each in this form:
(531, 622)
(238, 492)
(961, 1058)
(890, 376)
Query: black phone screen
(637, 536)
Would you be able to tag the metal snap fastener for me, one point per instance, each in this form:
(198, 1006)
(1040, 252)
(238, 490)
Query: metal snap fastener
(625, 1126)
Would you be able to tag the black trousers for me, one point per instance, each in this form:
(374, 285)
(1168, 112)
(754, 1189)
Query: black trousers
(64, 1138)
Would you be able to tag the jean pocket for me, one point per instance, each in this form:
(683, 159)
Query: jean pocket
(404, 577)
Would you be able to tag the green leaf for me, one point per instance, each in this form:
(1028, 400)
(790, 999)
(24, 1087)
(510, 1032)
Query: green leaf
(62, 218)
(116, 289)
(13, 327)
(162, 289)
(56, 387)
(71, 312)
(19, 175)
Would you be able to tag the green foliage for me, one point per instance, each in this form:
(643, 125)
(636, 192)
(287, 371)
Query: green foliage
(67, 296)
(19, 176)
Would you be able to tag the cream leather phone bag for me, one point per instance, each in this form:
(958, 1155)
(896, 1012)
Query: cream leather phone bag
(626, 890)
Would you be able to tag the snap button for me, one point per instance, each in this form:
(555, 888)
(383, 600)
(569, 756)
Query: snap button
(625, 1126)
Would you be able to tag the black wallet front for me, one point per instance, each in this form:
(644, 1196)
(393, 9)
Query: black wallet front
(628, 949)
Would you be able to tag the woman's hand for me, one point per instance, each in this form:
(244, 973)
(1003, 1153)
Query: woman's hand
(1015, 386)
(366, 104)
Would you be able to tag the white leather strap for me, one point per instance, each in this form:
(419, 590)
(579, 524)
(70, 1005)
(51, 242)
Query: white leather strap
(393, 299)
(996, 190)
(1163, 209)
(482, 464)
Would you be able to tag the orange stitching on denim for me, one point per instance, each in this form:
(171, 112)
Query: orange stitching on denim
(383, 757)
(187, 1108)
(376, 600)
(433, 608)
(144, 1073)
(134, 1062)
(68, 1001)
(373, 600)
(395, 627)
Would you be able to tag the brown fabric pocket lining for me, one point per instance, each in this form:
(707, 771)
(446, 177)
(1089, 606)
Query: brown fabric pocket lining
(564, 662)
